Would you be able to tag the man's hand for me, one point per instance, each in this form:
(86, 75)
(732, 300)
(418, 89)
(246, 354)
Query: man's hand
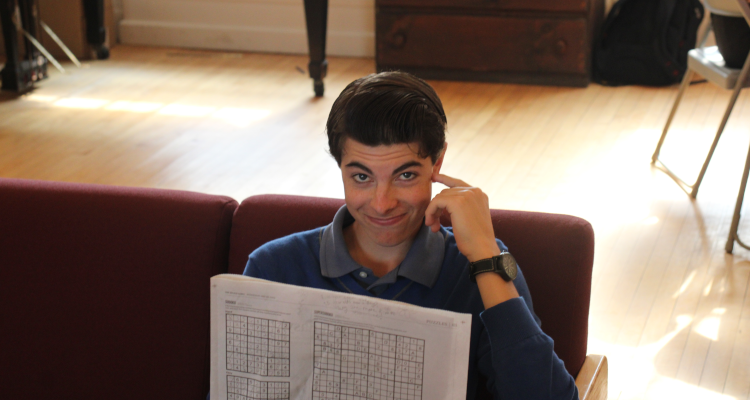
(472, 226)
(470, 215)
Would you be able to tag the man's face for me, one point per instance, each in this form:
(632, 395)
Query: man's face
(387, 190)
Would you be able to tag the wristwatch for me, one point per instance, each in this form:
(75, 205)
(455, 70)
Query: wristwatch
(503, 265)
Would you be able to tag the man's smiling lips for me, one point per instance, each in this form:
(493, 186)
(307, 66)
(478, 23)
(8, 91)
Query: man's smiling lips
(386, 221)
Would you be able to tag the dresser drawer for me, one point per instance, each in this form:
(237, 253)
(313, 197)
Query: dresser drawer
(510, 5)
(482, 44)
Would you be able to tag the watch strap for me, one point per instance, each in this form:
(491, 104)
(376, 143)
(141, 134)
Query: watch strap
(494, 264)
(480, 267)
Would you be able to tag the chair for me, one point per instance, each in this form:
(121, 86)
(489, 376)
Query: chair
(558, 272)
(105, 290)
(708, 62)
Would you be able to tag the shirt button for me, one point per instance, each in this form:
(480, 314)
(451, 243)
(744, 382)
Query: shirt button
(363, 274)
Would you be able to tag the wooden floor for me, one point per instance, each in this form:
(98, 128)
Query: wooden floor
(669, 308)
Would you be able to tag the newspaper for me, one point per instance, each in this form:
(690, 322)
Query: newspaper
(276, 341)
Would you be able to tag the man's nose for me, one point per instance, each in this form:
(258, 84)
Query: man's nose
(384, 200)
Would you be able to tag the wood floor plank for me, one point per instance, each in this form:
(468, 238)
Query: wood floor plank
(737, 382)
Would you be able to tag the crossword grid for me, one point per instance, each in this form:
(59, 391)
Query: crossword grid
(360, 364)
(257, 346)
(239, 388)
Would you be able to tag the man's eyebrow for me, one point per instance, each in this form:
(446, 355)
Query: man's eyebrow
(406, 166)
(361, 166)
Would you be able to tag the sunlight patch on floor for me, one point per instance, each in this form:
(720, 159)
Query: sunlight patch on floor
(80, 102)
(236, 116)
(667, 388)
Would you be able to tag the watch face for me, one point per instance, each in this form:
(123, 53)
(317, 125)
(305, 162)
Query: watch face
(510, 266)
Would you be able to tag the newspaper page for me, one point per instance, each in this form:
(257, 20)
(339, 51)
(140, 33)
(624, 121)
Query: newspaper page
(276, 341)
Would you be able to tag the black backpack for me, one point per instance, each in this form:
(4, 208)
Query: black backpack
(645, 42)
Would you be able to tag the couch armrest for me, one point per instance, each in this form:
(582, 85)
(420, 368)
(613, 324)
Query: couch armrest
(592, 379)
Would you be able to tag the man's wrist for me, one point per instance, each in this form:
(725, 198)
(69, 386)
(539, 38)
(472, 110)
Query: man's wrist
(485, 253)
(494, 290)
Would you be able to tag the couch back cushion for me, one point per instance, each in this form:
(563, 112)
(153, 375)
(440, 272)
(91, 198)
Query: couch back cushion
(105, 290)
(260, 219)
(555, 252)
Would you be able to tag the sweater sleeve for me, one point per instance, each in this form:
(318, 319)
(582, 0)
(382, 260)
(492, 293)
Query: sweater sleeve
(518, 359)
(251, 269)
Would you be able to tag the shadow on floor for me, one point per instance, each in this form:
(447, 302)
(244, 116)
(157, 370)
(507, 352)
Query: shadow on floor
(6, 95)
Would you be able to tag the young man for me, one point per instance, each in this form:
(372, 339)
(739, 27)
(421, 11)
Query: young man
(387, 134)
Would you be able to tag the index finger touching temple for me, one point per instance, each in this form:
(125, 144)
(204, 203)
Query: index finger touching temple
(450, 181)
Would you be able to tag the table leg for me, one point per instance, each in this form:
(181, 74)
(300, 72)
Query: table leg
(11, 70)
(316, 15)
(95, 32)
(20, 73)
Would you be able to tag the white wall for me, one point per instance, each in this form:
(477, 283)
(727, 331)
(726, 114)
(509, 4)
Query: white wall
(276, 26)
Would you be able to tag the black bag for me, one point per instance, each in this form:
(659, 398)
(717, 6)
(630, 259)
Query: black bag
(732, 38)
(645, 42)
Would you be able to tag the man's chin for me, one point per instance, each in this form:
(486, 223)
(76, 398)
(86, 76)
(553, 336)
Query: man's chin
(391, 239)
(389, 243)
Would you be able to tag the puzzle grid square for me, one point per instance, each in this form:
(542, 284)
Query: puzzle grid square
(358, 364)
(239, 388)
(257, 346)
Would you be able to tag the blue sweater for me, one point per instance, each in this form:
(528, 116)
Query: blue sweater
(507, 345)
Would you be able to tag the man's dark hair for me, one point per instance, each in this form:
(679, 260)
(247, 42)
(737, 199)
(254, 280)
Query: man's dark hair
(388, 108)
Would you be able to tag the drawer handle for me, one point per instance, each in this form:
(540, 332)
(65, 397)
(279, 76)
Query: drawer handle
(397, 40)
(561, 47)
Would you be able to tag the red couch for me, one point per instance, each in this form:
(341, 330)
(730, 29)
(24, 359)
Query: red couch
(104, 290)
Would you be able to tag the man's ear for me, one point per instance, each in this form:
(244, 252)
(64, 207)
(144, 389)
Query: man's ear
(439, 162)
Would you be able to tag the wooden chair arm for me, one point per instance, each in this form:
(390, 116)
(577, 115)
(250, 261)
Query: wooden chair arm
(592, 378)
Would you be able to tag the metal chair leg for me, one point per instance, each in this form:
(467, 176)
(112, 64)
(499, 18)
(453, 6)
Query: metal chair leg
(685, 83)
(733, 229)
(655, 157)
(733, 234)
(704, 36)
(735, 93)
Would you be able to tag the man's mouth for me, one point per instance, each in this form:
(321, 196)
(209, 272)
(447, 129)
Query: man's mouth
(385, 221)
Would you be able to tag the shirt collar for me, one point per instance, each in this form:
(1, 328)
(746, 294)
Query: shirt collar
(422, 263)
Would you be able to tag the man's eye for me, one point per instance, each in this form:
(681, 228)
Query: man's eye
(360, 177)
(408, 175)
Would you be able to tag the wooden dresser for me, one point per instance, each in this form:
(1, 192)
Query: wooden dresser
(546, 42)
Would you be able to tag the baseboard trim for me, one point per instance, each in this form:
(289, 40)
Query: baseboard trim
(241, 38)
